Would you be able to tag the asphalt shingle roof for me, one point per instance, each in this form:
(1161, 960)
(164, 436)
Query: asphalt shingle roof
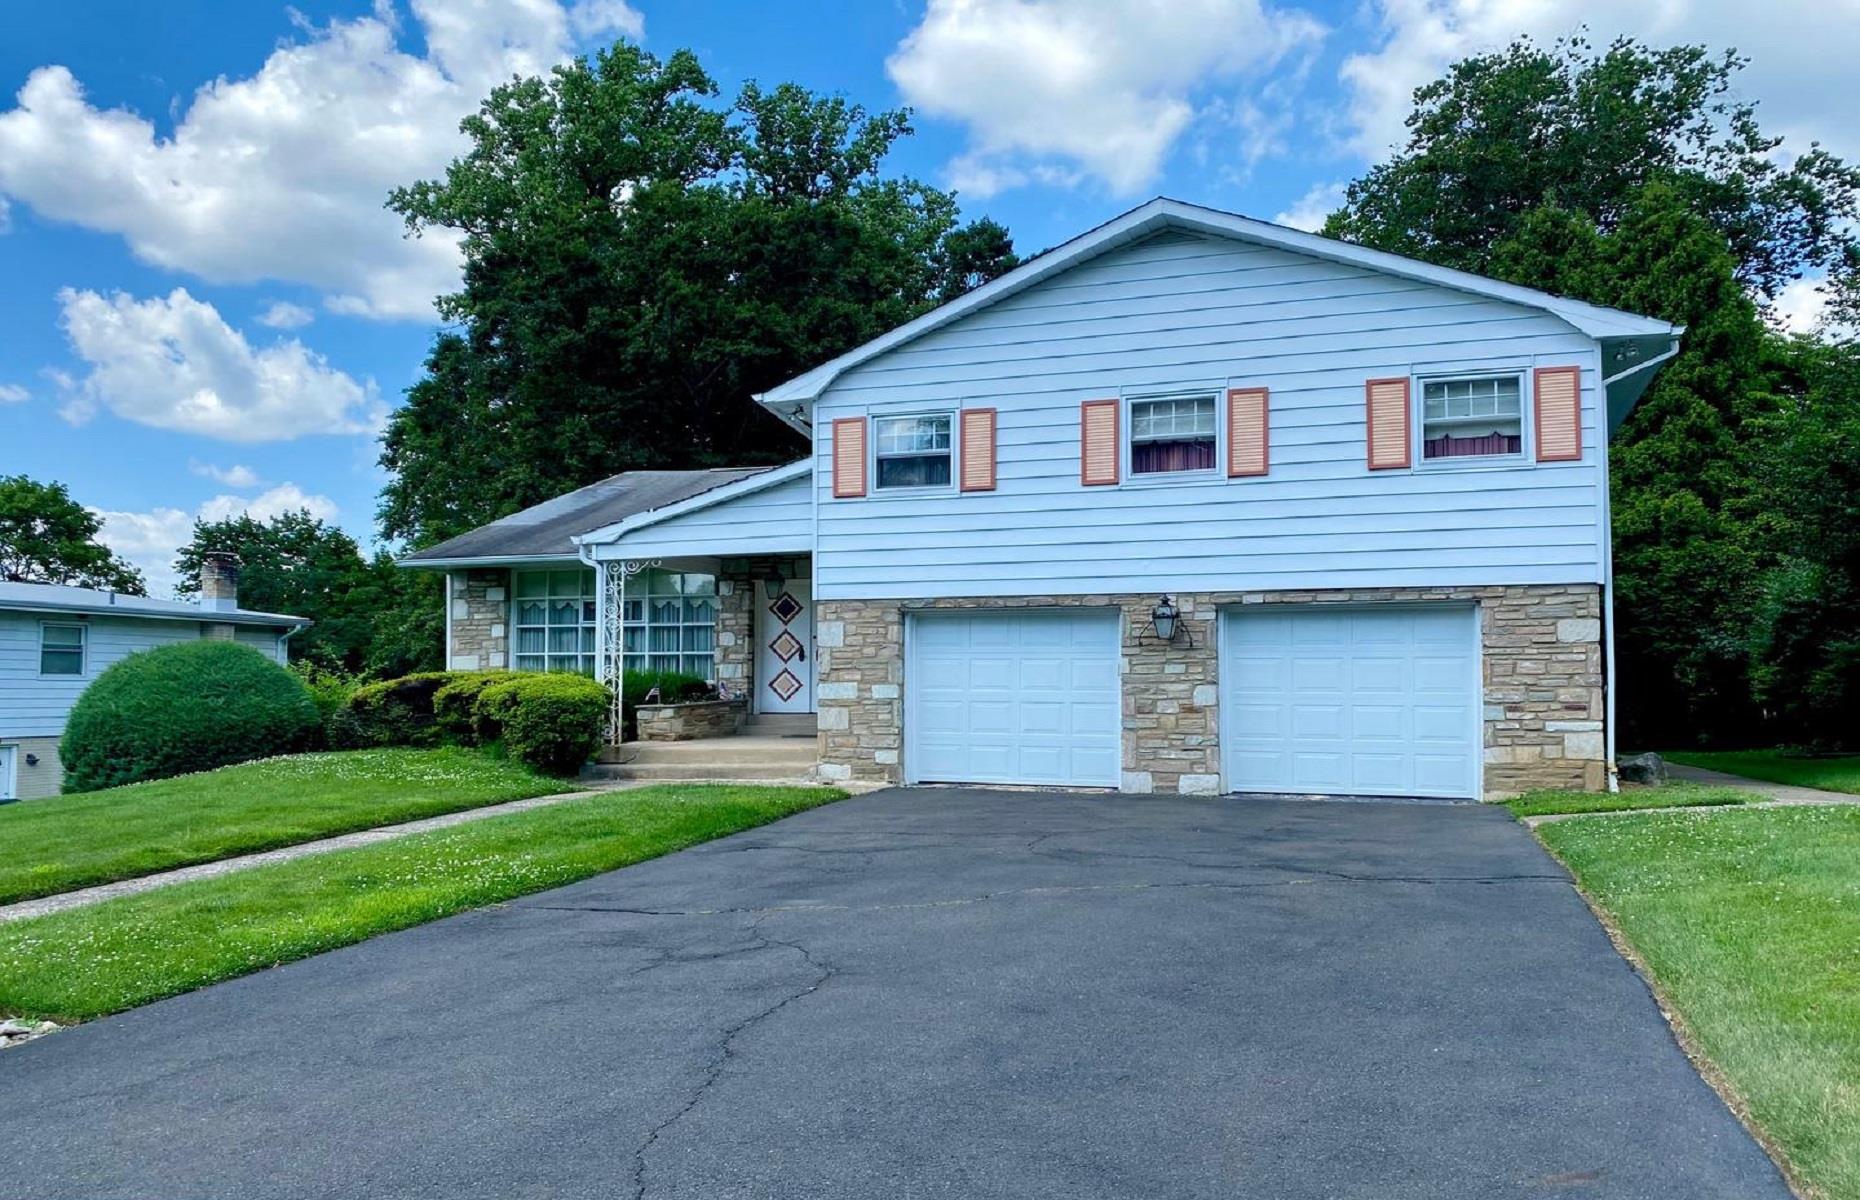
(55, 597)
(545, 529)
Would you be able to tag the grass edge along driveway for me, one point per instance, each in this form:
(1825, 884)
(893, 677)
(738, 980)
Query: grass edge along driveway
(121, 953)
(63, 843)
(1747, 923)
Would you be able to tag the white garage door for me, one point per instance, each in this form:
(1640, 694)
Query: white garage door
(1370, 701)
(1012, 697)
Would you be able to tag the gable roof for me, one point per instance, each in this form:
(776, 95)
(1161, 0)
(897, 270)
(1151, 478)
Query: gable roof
(748, 485)
(1162, 214)
(60, 598)
(547, 531)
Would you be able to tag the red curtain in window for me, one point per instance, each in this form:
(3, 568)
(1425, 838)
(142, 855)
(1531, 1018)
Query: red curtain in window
(1150, 457)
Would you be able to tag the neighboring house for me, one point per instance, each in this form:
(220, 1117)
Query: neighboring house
(1372, 493)
(54, 640)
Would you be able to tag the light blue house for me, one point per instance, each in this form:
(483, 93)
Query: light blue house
(55, 640)
(1192, 502)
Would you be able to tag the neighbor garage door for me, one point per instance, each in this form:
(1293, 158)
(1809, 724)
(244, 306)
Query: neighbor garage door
(1012, 697)
(1370, 701)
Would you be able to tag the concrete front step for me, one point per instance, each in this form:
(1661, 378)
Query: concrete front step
(804, 752)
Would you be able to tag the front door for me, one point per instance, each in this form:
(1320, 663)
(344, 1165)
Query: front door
(785, 650)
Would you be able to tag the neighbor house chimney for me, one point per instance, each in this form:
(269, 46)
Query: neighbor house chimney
(219, 580)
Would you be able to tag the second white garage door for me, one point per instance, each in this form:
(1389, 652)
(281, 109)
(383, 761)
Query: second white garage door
(1012, 697)
(1368, 701)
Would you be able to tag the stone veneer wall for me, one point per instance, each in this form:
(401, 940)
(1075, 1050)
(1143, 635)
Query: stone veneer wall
(736, 636)
(1542, 664)
(478, 610)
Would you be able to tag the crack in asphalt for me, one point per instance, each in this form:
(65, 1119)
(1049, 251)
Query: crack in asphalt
(1051, 890)
(726, 1045)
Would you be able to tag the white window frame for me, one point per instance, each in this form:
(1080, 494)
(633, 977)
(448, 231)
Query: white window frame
(1128, 434)
(83, 649)
(948, 415)
(1464, 462)
(589, 594)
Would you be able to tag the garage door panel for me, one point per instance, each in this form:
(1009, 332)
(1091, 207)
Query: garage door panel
(1381, 701)
(1038, 699)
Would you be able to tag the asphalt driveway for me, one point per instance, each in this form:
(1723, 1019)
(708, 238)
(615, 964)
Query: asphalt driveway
(931, 994)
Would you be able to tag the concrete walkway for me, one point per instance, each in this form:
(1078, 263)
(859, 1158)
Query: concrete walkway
(46, 905)
(1776, 795)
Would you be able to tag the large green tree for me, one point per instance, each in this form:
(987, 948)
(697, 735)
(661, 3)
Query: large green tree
(640, 259)
(294, 563)
(47, 537)
(1632, 177)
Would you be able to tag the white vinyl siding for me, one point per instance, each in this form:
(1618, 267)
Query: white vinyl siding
(776, 519)
(1180, 315)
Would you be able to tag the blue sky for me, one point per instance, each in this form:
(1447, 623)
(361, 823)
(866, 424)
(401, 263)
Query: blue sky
(206, 310)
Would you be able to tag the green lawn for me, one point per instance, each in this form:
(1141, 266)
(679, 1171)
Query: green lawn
(1749, 922)
(105, 957)
(66, 842)
(1537, 804)
(1830, 774)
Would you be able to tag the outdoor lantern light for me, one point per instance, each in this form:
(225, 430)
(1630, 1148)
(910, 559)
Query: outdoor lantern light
(772, 583)
(1163, 618)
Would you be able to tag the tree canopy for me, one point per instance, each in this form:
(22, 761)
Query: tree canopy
(47, 537)
(640, 259)
(1629, 177)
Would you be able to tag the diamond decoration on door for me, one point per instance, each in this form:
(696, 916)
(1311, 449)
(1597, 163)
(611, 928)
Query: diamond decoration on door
(786, 608)
(785, 685)
(786, 646)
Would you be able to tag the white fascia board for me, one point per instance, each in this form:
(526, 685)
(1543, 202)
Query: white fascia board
(1163, 213)
(717, 495)
(487, 561)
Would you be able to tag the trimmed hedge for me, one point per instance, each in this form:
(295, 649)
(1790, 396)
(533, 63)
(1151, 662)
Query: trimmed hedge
(674, 687)
(551, 722)
(187, 707)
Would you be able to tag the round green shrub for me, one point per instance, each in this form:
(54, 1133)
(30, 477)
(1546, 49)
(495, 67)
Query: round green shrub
(457, 699)
(398, 712)
(187, 707)
(550, 722)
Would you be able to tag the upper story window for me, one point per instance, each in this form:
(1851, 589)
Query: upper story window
(1176, 434)
(61, 649)
(913, 452)
(1478, 417)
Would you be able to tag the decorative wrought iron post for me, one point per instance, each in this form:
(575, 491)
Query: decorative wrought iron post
(610, 659)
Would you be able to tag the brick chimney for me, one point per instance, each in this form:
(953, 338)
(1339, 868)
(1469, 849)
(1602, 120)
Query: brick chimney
(219, 580)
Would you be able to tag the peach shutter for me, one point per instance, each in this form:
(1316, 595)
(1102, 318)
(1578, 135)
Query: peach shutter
(978, 449)
(1246, 432)
(1098, 451)
(849, 457)
(1386, 404)
(1557, 402)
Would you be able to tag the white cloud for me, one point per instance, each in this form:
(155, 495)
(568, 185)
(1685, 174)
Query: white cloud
(1084, 88)
(233, 476)
(1309, 210)
(12, 393)
(1801, 52)
(284, 315)
(149, 540)
(172, 362)
(601, 18)
(283, 175)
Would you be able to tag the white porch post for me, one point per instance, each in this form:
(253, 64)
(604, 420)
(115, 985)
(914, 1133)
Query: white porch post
(610, 648)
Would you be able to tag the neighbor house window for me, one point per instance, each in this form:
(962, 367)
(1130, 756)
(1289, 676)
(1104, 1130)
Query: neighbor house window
(1466, 418)
(913, 451)
(670, 622)
(61, 649)
(1176, 434)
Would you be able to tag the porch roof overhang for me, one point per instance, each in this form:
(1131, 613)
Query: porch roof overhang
(796, 537)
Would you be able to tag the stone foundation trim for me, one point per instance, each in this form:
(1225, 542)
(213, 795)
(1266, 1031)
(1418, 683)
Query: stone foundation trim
(690, 721)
